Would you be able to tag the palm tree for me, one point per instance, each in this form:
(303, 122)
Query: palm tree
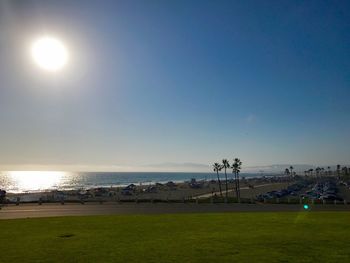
(329, 170)
(311, 171)
(225, 165)
(338, 170)
(291, 170)
(344, 170)
(286, 172)
(217, 168)
(317, 170)
(236, 168)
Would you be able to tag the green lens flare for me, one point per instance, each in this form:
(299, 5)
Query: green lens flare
(306, 207)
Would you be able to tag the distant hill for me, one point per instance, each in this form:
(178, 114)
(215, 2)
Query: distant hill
(165, 167)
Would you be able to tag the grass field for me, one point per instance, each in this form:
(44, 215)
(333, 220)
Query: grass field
(229, 237)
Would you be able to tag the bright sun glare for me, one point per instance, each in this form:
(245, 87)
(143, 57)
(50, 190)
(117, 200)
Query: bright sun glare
(49, 53)
(36, 180)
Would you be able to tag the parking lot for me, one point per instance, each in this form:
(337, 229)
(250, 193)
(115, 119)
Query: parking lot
(315, 190)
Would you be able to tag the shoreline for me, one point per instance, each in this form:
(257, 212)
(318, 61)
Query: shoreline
(273, 188)
(177, 190)
(69, 185)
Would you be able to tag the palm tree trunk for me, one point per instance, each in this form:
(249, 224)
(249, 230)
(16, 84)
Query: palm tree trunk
(226, 182)
(217, 172)
(238, 188)
(236, 185)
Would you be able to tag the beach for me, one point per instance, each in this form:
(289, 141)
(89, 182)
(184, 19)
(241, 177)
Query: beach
(284, 193)
(169, 191)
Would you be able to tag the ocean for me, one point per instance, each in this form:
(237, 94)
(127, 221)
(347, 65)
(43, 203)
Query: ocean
(37, 181)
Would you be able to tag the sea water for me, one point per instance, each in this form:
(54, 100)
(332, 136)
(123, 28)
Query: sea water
(36, 181)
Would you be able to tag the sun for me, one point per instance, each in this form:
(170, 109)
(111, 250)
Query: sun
(49, 53)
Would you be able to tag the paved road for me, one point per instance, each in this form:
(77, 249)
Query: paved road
(51, 210)
(231, 190)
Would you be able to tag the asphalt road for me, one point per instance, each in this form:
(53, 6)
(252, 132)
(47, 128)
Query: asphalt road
(53, 210)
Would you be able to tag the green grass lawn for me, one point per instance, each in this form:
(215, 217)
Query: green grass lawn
(229, 237)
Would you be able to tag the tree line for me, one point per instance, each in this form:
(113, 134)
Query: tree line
(318, 171)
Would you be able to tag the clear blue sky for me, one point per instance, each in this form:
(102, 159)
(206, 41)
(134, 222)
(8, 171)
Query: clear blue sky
(176, 81)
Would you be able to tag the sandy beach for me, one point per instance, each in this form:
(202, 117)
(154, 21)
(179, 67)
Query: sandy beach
(182, 195)
(185, 197)
(170, 191)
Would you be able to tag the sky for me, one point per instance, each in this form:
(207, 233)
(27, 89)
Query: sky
(152, 83)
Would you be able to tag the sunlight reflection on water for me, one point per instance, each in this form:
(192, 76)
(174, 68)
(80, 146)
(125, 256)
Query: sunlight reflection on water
(22, 181)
